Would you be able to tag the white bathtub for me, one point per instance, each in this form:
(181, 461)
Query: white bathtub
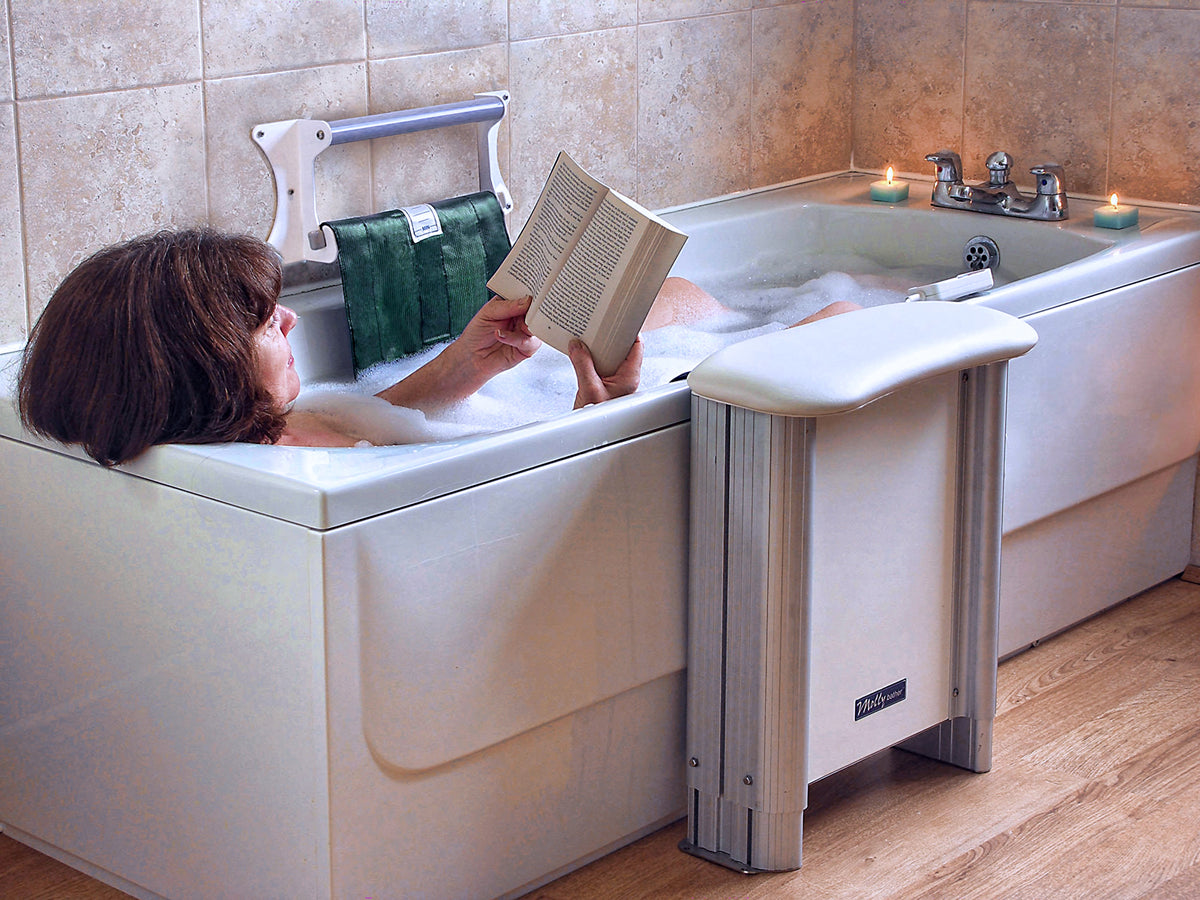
(1103, 415)
(455, 669)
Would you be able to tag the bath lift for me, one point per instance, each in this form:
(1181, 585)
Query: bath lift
(844, 565)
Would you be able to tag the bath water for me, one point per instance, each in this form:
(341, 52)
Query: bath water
(544, 386)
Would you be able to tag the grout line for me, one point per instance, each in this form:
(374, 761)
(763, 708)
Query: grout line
(637, 110)
(204, 115)
(1112, 100)
(22, 224)
(751, 154)
(962, 75)
(369, 85)
(853, 75)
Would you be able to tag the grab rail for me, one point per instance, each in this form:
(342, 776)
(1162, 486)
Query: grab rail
(485, 108)
(292, 146)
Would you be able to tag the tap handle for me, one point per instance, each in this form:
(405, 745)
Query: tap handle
(998, 165)
(1050, 178)
(949, 166)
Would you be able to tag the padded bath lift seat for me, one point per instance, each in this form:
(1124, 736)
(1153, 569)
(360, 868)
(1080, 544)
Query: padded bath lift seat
(845, 550)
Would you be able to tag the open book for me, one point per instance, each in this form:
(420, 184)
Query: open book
(593, 261)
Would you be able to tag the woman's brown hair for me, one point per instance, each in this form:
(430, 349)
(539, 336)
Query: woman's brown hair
(152, 342)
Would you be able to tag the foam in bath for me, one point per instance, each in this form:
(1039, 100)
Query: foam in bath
(544, 386)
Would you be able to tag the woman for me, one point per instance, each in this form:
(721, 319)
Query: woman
(178, 337)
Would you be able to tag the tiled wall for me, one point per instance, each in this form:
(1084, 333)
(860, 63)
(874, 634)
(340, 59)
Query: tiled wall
(1106, 88)
(122, 116)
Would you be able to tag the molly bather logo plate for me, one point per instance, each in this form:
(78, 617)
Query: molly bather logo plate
(880, 699)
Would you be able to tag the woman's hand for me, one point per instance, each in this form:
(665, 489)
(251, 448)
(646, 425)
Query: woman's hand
(497, 338)
(494, 340)
(595, 389)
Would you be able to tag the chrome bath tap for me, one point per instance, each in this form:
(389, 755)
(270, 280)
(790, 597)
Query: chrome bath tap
(998, 195)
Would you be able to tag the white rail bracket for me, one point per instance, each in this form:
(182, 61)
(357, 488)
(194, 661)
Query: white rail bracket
(292, 146)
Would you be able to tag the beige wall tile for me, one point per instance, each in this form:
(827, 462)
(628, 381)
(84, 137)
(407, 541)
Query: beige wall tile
(546, 18)
(245, 37)
(803, 71)
(1043, 93)
(240, 187)
(432, 165)
(576, 93)
(106, 167)
(98, 45)
(12, 267)
(908, 84)
(666, 10)
(402, 28)
(1155, 133)
(700, 99)
(694, 109)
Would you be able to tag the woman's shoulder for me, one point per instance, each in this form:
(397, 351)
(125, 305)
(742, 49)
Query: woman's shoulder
(312, 429)
(359, 417)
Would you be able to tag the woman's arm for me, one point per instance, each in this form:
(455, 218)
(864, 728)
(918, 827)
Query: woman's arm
(496, 339)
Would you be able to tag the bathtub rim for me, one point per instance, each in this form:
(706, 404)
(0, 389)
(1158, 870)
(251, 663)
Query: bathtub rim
(324, 488)
(860, 173)
(1167, 238)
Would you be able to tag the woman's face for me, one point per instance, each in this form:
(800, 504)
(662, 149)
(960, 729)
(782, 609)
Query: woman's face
(276, 367)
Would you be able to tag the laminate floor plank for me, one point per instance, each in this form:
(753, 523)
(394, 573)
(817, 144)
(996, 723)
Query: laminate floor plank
(1100, 843)
(1091, 695)
(1165, 771)
(1048, 855)
(1184, 886)
(28, 875)
(906, 827)
(639, 873)
(1136, 723)
(1156, 617)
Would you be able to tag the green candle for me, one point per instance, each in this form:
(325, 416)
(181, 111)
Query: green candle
(889, 191)
(1115, 215)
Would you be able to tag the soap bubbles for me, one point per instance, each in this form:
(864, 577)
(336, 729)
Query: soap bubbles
(544, 385)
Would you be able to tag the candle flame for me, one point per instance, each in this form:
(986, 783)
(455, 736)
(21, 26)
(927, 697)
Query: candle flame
(1113, 199)
(891, 172)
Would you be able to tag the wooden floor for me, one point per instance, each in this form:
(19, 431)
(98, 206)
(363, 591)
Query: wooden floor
(1094, 793)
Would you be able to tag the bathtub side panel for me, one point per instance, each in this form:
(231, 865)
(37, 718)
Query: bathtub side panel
(506, 674)
(1061, 570)
(1108, 396)
(162, 716)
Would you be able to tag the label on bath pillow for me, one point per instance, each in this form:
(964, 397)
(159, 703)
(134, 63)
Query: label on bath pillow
(423, 221)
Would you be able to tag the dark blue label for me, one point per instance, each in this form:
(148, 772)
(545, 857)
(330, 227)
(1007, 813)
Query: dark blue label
(880, 699)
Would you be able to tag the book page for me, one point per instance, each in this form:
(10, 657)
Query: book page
(587, 275)
(564, 205)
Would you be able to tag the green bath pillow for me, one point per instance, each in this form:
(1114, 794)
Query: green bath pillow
(412, 279)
